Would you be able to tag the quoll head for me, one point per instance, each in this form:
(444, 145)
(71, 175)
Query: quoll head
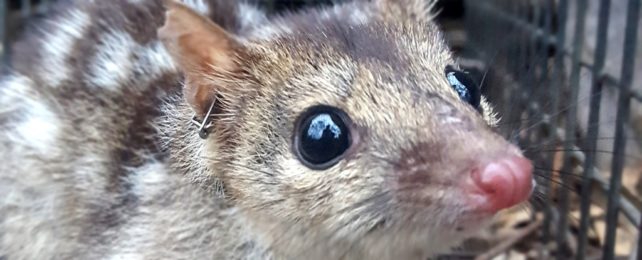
(355, 125)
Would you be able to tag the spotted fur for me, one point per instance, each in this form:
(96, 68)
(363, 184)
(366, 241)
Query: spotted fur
(101, 161)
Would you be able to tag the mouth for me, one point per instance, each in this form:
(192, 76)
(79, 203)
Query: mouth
(417, 219)
(474, 221)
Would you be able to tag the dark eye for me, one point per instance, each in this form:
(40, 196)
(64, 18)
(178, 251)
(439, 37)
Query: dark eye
(321, 137)
(467, 89)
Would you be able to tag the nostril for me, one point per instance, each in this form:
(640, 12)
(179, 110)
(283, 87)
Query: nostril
(505, 182)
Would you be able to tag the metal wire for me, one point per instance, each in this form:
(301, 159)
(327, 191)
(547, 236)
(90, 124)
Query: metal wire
(488, 21)
(571, 118)
(593, 130)
(623, 112)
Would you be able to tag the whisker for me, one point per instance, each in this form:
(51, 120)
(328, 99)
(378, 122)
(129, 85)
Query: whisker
(555, 143)
(239, 165)
(582, 150)
(558, 113)
(560, 183)
(558, 171)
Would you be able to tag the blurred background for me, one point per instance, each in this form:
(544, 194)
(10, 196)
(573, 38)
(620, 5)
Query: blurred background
(566, 77)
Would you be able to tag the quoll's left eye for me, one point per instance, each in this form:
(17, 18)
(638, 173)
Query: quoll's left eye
(467, 89)
(322, 137)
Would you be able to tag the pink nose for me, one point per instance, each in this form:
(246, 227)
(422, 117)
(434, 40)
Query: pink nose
(505, 182)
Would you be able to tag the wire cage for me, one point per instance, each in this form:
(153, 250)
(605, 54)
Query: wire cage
(563, 75)
(571, 90)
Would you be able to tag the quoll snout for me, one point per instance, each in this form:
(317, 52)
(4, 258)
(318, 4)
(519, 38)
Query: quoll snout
(500, 183)
(482, 178)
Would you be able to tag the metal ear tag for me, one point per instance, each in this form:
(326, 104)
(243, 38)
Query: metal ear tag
(205, 125)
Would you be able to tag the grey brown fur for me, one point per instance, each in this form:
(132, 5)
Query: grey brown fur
(100, 160)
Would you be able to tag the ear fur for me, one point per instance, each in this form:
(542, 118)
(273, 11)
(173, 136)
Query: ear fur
(204, 51)
(407, 10)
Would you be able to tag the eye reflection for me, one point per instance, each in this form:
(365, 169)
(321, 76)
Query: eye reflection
(461, 89)
(320, 124)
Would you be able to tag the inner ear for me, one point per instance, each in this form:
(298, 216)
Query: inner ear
(206, 54)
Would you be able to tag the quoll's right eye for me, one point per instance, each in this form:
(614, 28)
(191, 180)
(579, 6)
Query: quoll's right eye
(322, 137)
(464, 85)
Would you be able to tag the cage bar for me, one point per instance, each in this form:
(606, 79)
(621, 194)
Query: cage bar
(622, 117)
(593, 127)
(570, 127)
(492, 10)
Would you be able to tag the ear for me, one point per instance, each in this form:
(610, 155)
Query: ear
(407, 10)
(205, 52)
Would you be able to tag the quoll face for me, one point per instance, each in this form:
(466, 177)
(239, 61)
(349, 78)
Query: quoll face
(369, 143)
(363, 133)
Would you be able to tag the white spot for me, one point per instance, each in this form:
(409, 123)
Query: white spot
(326, 15)
(58, 44)
(451, 120)
(249, 16)
(270, 31)
(199, 6)
(38, 129)
(149, 179)
(32, 123)
(13, 88)
(113, 62)
(126, 256)
(358, 17)
(153, 61)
